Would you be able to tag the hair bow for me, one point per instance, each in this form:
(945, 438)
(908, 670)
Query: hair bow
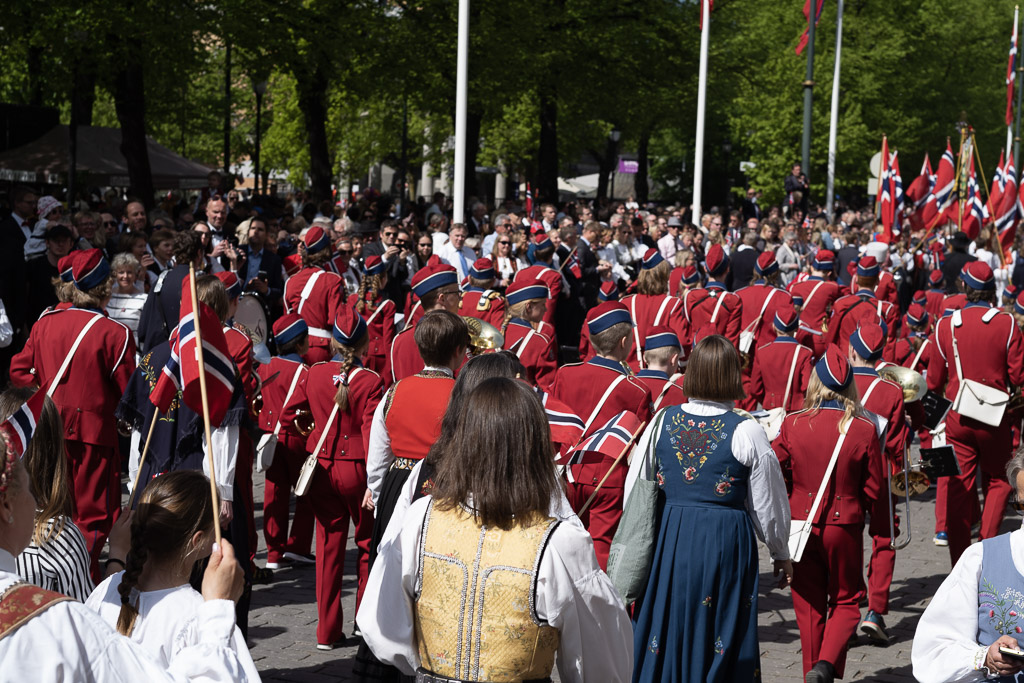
(341, 379)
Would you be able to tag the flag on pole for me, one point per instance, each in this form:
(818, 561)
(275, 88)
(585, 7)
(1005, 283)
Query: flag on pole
(1009, 211)
(941, 195)
(529, 201)
(885, 194)
(922, 185)
(21, 425)
(995, 193)
(607, 442)
(574, 265)
(1011, 76)
(182, 369)
(711, 8)
(807, 15)
(566, 426)
(975, 213)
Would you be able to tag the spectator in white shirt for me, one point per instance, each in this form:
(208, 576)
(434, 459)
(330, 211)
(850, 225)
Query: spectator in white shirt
(672, 241)
(456, 253)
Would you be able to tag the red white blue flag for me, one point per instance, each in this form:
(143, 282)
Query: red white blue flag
(942, 190)
(995, 193)
(607, 442)
(807, 15)
(1011, 75)
(1008, 215)
(566, 426)
(922, 185)
(975, 213)
(20, 426)
(529, 201)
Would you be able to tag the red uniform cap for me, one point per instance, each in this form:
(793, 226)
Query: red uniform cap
(978, 275)
(483, 269)
(917, 315)
(316, 240)
(433, 277)
(660, 336)
(542, 241)
(833, 370)
(231, 283)
(525, 290)
(66, 265)
(935, 277)
(652, 258)
(766, 263)
(786, 319)
(288, 327)
(868, 340)
(868, 267)
(823, 260)
(349, 326)
(607, 314)
(609, 291)
(716, 260)
(89, 270)
(920, 297)
(374, 265)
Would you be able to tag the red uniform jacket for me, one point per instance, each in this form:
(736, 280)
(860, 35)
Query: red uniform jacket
(550, 277)
(586, 350)
(850, 310)
(380, 326)
(277, 377)
(754, 298)
(405, 359)
(320, 307)
(580, 387)
(886, 400)
(990, 352)
(886, 289)
(95, 378)
(240, 348)
(652, 311)
(935, 303)
(349, 435)
(804, 447)
(487, 305)
(819, 297)
(665, 391)
(699, 309)
(534, 350)
(953, 302)
(770, 373)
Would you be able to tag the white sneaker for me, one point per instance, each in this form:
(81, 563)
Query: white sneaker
(301, 559)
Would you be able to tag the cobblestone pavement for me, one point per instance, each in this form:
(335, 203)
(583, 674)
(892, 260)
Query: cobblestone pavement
(282, 621)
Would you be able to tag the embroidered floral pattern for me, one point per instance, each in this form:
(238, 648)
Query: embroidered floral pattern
(706, 601)
(1001, 613)
(724, 484)
(653, 647)
(719, 646)
(693, 439)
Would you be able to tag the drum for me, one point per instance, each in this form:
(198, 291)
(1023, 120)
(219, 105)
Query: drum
(252, 315)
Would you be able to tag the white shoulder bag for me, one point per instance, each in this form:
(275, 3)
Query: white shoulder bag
(268, 442)
(800, 529)
(748, 335)
(772, 422)
(309, 466)
(973, 399)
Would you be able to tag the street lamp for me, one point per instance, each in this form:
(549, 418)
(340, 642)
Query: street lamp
(260, 87)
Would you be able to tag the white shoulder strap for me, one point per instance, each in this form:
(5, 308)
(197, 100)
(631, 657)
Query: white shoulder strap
(828, 474)
(287, 396)
(308, 290)
(600, 404)
(686, 311)
(718, 306)
(764, 307)
(954, 322)
(664, 390)
(813, 292)
(661, 309)
(521, 346)
(920, 352)
(789, 382)
(636, 332)
(330, 419)
(376, 311)
(71, 353)
(871, 388)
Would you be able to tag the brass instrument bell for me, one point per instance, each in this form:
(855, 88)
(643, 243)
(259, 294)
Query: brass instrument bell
(483, 337)
(918, 483)
(304, 423)
(911, 382)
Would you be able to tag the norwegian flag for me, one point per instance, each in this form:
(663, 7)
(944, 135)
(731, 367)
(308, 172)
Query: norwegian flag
(922, 185)
(573, 264)
(995, 193)
(941, 195)
(1011, 75)
(807, 15)
(886, 194)
(607, 442)
(566, 426)
(529, 201)
(21, 425)
(1009, 211)
(182, 368)
(975, 213)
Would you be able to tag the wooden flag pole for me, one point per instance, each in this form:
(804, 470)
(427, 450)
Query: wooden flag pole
(206, 401)
(567, 259)
(142, 459)
(609, 472)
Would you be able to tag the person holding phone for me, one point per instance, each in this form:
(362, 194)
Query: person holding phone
(972, 628)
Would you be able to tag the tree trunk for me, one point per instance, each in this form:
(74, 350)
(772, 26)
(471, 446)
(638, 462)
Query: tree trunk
(312, 88)
(547, 155)
(606, 164)
(640, 179)
(130, 104)
(34, 65)
(84, 93)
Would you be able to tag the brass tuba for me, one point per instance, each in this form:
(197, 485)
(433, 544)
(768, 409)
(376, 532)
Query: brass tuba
(910, 381)
(483, 337)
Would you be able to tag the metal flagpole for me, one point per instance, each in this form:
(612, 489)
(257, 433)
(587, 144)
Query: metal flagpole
(809, 90)
(1009, 129)
(834, 119)
(461, 81)
(1020, 72)
(702, 95)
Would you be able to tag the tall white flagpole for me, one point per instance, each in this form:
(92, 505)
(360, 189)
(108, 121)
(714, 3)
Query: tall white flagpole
(702, 93)
(1009, 128)
(461, 83)
(834, 119)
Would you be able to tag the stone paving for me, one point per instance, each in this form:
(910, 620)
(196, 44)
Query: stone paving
(283, 617)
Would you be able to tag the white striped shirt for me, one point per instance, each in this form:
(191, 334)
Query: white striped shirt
(61, 564)
(127, 309)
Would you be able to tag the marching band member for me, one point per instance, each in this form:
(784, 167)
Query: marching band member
(601, 388)
(819, 293)
(986, 345)
(905, 349)
(45, 636)
(478, 299)
(379, 312)
(885, 399)
(608, 291)
(652, 305)
(782, 365)
(886, 289)
(527, 301)
(543, 253)
(437, 288)
(936, 294)
(761, 299)
(850, 310)
(84, 361)
(661, 376)
(315, 293)
(827, 581)
(342, 395)
(714, 304)
(556, 607)
(285, 373)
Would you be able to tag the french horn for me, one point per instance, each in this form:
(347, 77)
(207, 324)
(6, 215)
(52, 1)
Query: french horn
(483, 337)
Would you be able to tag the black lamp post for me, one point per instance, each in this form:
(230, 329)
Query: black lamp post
(260, 87)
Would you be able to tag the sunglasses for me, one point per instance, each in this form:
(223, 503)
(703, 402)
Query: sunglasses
(110, 224)
(345, 251)
(1017, 504)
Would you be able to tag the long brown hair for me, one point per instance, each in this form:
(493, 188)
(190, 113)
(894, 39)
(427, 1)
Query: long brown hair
(171, 509)
(349, 354)
(504, 478)
(47, 464)
(654, 281)
(714, 371)
(818, 393)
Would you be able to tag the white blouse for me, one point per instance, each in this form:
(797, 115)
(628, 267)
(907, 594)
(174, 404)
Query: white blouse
(767, 501)
(69, 642)
(167, 621)
(573, 596)
(945, 646)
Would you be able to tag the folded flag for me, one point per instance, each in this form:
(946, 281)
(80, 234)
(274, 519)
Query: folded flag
(21, 425)
(566, 426)
(607, 442)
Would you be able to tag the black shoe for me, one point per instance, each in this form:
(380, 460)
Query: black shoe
(822, 672)
(262, 575)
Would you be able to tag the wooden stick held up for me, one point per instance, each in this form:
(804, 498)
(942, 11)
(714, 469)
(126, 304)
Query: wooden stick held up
(614, 464)
(206, 402)
(142, 460)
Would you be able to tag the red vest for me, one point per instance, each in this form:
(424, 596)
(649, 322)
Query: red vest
(413, 411)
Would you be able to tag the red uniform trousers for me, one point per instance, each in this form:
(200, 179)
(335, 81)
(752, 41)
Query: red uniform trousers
(977, 446)
(827, 587)
(883, 558)
(96, 482)
(336, 496)
(281, 477)
(601, 519)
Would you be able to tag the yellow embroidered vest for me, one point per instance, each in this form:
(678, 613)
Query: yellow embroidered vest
(475, 613)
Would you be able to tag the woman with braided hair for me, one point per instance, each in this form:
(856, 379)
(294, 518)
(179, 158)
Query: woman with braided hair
(379, 313)
(151, 601)
(342, 395)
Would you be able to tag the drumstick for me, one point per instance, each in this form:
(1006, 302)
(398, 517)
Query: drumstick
(608, 473)
(142, 460)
